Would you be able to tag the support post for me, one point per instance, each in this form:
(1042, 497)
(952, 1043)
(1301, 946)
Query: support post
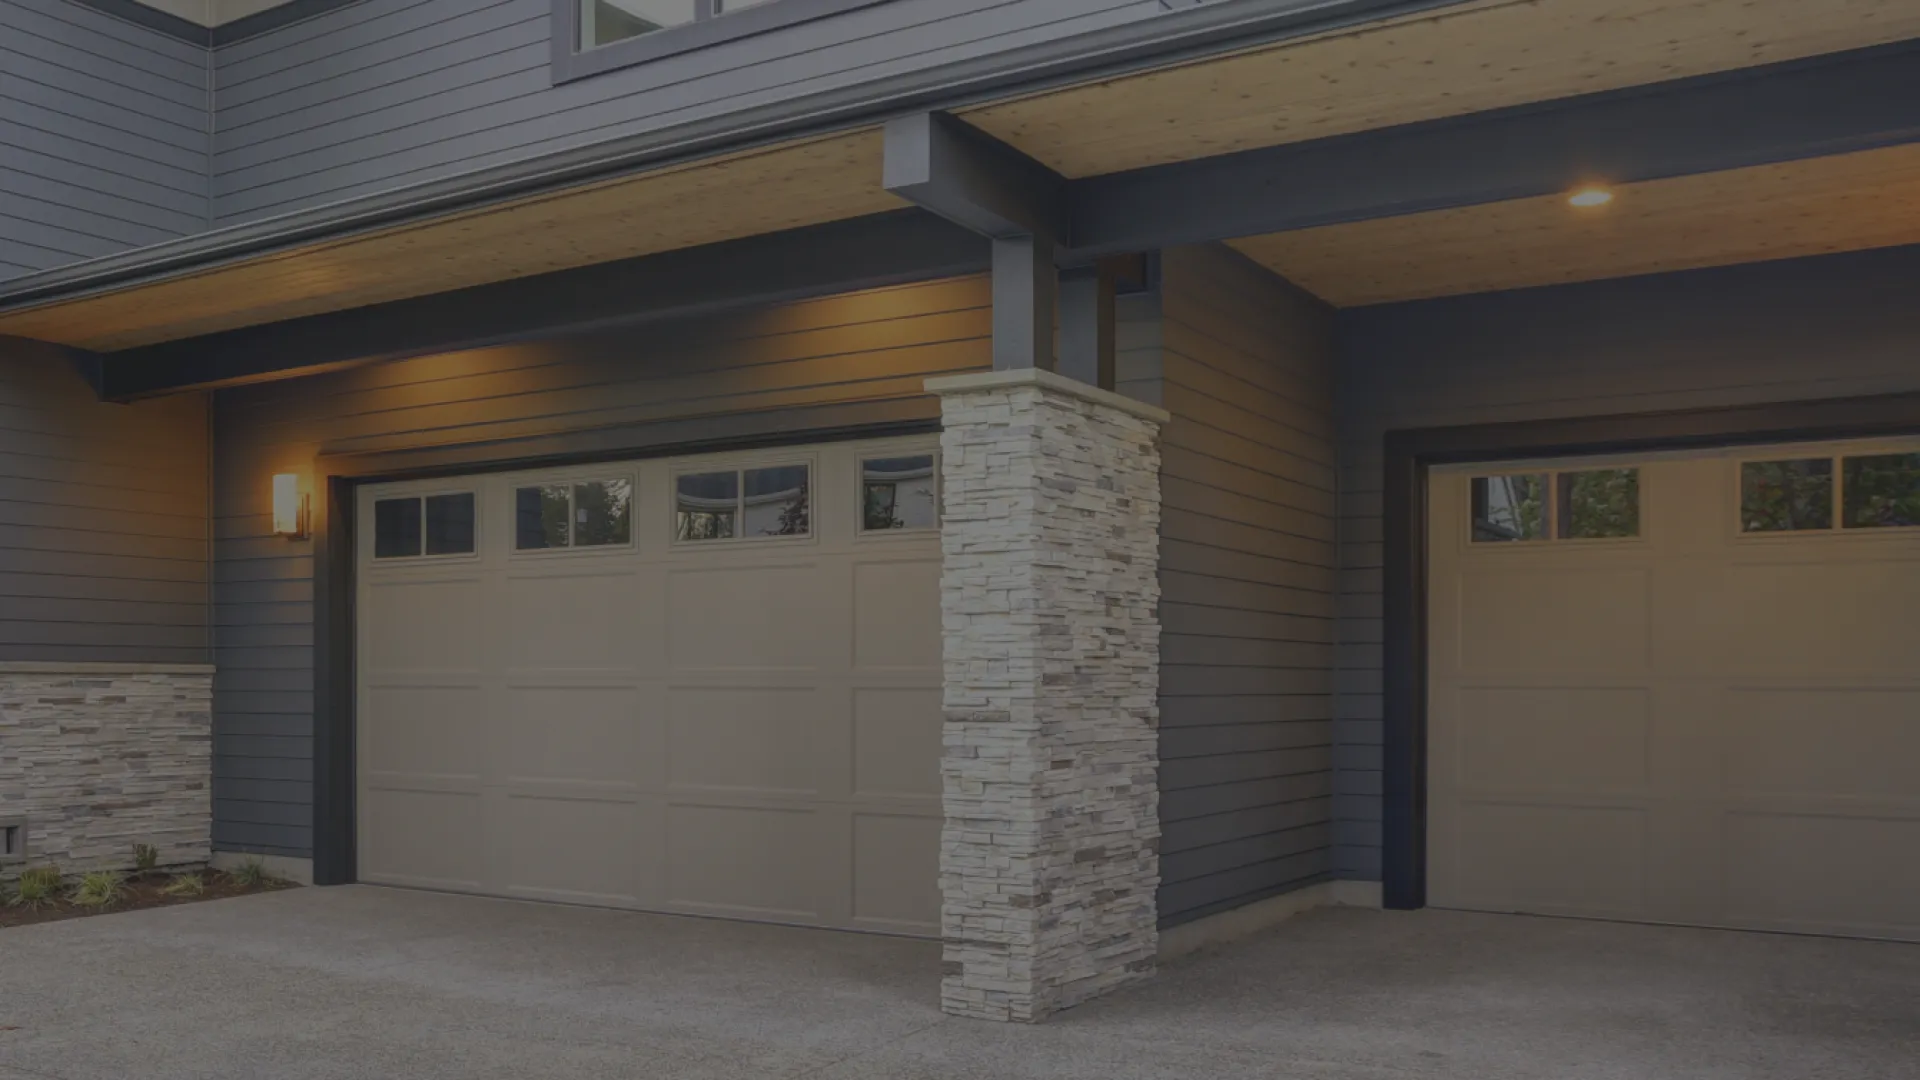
(1024, 288)
(1049, 593)
(1086, 324)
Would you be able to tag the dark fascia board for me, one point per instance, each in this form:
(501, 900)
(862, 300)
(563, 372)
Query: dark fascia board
(1410, 454)
(187, 30)
(972, 179)
(570, 63)
(819, 260)
(1807, 108)
(1164, 39)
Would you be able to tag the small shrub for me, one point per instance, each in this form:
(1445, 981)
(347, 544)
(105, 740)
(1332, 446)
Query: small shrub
(193, 883)
(38, 887)
(145, 858)
(99, 889)
(252, 873)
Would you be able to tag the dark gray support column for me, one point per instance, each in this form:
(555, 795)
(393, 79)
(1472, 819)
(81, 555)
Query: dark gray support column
(1023, 303)
(1086, 324)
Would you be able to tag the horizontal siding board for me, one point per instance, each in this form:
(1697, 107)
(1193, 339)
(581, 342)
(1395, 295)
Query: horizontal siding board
(862, 347)
(148, 51)
(836, 51)
(63, 213)
(94, 22)
(181, 105)
(27, 104)
(1248, 577)
(1811, 328)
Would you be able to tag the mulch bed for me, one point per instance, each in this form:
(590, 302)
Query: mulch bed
(143, 891)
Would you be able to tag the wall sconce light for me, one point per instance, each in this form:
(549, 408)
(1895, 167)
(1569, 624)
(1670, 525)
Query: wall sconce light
(289, 507)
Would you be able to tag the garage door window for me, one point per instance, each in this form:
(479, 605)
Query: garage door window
(899, 493)
(579, 514)
(1881, 491)
(732, 504)
(1786, 496)
(424, 525)
(1588, 504)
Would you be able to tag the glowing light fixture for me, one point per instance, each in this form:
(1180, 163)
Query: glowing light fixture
(289, 507)
(1590, 196)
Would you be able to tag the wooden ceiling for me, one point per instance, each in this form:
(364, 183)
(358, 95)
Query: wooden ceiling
(1461, 59)
(1466, 57)
(721, 199)
(1818, 206)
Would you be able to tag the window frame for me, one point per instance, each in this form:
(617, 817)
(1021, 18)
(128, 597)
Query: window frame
(571, 481)
(1837, 454)
(571, 62)
(1552, 470)
(421, 496)
(740, 469)
(860, 531)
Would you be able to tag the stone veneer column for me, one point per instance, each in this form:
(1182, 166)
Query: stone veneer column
(100, 757)
(1049, 589)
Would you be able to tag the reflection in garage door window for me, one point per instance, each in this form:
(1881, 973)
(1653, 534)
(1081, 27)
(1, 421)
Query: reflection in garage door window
(450, 524)
(744, 503)
(590, 513)
(775, 501)
(1786, 496)
(1510, 507)
(899, 493)
(705, 504)
(1880, 491)
(1598, 504)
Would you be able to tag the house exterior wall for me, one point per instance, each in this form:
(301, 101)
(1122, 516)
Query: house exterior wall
(96, 758)
(1834, 326)
(103, 135)
(385, 93)
(103, 519)
(1247, 583)
(859, 358)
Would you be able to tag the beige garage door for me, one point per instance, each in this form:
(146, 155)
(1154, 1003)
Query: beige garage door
(705, 684)
(1680, 689)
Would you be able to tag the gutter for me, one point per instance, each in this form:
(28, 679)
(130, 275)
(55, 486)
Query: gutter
(1155, 41)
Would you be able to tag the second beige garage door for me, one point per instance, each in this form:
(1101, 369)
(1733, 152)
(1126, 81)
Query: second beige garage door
(1680, 689)
(706, 685)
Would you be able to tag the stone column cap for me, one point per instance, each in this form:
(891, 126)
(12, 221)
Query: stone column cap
(974, 382)
(87, 667)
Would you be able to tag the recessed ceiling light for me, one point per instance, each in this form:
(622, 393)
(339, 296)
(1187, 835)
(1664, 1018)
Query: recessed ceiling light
(1590, 196)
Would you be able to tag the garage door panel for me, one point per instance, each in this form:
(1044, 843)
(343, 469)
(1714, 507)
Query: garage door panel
(752, 739)
(591, 734)
(1568, 739)
(1829, 741)
(1822, 619)
(1825, 873)
(1553, 858)
(425, 625)
(744, 615)
(425, 730)
(744, 860)
(571, 620)
(896, 614)
(896, 741)
(1551, 618)
(896, 870)
(576, 850)
(429, 839)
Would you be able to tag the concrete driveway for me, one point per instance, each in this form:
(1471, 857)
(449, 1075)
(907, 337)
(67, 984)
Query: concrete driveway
(366, 982)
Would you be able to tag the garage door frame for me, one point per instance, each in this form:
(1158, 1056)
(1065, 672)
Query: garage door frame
(1411, 453)
(337, 477)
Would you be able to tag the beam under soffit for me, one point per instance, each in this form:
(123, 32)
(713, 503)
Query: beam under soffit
(819, 260)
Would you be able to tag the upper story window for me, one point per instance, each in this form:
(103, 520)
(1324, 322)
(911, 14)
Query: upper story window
(603, 22)
(593, 36)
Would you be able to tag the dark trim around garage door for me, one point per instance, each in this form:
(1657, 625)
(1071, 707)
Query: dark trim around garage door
(1411, 453)
(337, 476)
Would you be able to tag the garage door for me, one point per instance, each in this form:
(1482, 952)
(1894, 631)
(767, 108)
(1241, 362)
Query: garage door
(705, 684)
(1680, 689)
